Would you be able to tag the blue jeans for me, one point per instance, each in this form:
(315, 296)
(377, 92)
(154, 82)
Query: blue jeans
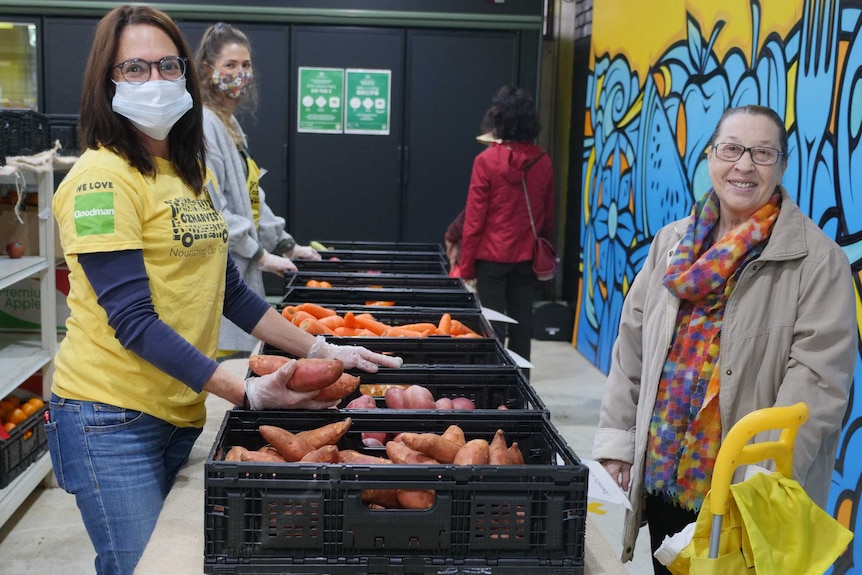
(119, 464)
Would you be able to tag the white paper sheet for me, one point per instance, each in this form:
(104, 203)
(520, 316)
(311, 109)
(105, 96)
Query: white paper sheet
(493, 315)
(519, 361)
(603, 487)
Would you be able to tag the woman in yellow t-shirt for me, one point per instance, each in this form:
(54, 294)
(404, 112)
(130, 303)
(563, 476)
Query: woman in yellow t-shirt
(151, 276)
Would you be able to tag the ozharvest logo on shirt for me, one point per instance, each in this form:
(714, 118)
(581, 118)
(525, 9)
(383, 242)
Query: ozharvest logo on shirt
(94, 213)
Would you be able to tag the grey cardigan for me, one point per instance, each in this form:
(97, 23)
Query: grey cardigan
(789, 335)
(244, 242)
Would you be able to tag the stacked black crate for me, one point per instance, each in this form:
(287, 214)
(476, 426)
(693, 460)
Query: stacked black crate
(497, 519)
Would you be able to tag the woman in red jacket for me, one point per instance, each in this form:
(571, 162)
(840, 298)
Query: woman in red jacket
(497, 240)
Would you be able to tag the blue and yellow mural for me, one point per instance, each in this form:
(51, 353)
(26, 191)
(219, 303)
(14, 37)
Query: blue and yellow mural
(659, 80)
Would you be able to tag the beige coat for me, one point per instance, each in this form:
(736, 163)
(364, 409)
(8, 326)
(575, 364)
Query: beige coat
(789, 335)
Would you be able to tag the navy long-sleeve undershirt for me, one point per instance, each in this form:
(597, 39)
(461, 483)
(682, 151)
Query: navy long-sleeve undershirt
(122, 288)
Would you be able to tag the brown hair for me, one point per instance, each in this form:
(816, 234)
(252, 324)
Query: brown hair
(213, 41)
(101, 127)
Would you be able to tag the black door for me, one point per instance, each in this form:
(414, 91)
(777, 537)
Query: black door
(346, 186)
(67, 44)
(451, 78)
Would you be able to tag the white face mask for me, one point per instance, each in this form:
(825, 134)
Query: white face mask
(153, 107)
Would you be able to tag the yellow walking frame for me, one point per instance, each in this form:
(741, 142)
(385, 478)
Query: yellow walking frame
(766, 524)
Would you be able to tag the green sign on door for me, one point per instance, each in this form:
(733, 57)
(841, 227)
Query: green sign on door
(368, 102)
(320, 102)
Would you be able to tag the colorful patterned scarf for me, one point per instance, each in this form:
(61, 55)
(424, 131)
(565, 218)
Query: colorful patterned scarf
(685, 430)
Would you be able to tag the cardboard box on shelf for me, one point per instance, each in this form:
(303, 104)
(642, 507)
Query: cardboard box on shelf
(11, 230)
(21, 306)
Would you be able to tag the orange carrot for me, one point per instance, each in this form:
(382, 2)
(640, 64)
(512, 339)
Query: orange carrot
(350, 320)
(264, 364)
(469, 335)
(332, 321)
(314, 327)
(318, 311)
(299, 316)
(445, 324)
(288, 311)
(367, 321)
(420, 327)
(396, 331)
(344, 331)
(380, 303)
(458, 328)
(365, 333)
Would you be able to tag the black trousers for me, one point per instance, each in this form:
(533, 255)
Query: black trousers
(509, 289)
(664, 519)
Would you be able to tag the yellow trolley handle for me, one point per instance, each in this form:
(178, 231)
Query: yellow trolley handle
(735, 451)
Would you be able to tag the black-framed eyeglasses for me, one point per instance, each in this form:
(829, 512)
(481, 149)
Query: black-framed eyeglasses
(760, 155)
(137, 70)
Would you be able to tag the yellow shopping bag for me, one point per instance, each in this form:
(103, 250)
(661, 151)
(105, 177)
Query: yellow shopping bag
(766, 524)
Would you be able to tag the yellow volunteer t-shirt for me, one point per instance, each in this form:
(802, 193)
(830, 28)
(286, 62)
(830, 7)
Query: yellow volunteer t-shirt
(105, 205)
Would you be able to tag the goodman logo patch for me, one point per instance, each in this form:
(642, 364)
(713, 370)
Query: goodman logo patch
(94, 213)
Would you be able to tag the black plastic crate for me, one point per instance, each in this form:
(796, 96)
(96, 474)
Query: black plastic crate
(27, 132)
(372, 266)
(431, 351)
(341, 280)
(489, 389)
(65, 129)
(362, 300)
(386, 255)
(383, 246)
(309, 518)
(27, 442)
(392, 316)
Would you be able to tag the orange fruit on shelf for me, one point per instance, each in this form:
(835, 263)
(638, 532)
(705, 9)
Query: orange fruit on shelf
(37, 401)
(29, 409)
(8, 426)
(5, 408)
(13, 399)
(17, 416)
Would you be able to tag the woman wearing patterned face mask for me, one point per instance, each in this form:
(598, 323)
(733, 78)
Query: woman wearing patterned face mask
(151, 276)
(258, 241)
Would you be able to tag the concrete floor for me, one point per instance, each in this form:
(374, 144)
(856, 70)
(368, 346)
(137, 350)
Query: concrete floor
(46, 535)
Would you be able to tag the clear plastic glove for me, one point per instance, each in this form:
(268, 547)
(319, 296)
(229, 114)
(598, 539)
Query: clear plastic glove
(353, 355)
(304, 253)
(271, 392)
(272, 263)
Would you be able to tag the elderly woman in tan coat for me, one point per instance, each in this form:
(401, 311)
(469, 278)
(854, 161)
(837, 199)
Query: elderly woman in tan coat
(744, 304)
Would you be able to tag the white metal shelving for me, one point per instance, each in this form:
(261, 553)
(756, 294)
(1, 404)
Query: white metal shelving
(24, 354)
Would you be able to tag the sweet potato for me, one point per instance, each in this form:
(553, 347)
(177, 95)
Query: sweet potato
(357, 457)
(328, 434)
(418, 397)
(343, 386)
(416, 498)
(455, 434)
(498, 453)
(463, 404)
(323, 454)
(289, 445)
(432, 445)
(270, 450)
(474, 452)
(314, 374)
(379, 389)
(264, 364)
(400, 453)
(516, 457)
(384, 498)
(235, 453)
(316, 310)
(260, 457)
(444, 403)
(362, 402)
(394, 398)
